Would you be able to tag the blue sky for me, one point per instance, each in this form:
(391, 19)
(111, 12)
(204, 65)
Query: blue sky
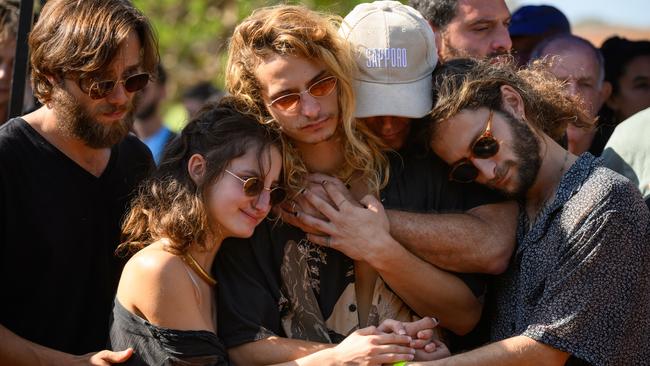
(635, 13)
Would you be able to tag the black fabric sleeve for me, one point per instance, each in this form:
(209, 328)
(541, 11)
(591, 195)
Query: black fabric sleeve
(475, 281)
(247, 292)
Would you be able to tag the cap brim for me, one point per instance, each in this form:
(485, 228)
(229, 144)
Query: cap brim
(413, 100)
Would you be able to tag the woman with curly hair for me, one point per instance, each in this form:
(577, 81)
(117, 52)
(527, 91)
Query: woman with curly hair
(218, 179)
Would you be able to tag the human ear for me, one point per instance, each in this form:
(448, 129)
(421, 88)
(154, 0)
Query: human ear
(196, 168)
(53, 79)
(512, 101)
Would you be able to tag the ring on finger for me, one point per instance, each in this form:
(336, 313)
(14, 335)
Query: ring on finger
(340, 203)
(328, 241)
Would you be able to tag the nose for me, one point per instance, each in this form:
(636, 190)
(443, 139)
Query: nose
(501, 41)
(119, 95)
(263, 202)
(309, 106)
(388, 125)
(486, 168)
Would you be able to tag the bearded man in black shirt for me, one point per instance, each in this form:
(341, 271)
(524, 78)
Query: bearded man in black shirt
(67, 172)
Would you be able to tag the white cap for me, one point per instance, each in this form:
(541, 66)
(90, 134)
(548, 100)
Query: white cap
(396, 54)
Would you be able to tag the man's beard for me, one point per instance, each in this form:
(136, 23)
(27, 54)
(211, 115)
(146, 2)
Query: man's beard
(525, 146)
(452, 52)
(74, 120)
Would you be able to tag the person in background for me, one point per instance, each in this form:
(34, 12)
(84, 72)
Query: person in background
(8, 30)
(198, 95)
(532, 24)
(149, 125)
(467, 28)
(219, 179)
(627, 70)
(628, 152)
(69, 170)
(581, 68)
(577, 289)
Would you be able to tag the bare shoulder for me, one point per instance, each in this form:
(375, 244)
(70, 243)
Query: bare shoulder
(156, 286)
(152, 266)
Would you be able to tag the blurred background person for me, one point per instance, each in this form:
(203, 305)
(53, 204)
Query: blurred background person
(581, 67)
(531, 24)
(148, 123)
(628, 151)
(198, 95)
(8, 29)
(476, 28)
(627, 70)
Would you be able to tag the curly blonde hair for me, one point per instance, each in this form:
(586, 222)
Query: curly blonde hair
(298, 31)
(471, 84)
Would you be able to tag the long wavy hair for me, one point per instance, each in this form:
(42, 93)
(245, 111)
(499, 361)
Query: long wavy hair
(170, 204)
(298, 31)
(81, 38)
(471, 84)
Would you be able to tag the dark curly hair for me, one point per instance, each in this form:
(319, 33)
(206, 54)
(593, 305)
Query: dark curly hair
(170, 204)
(471, 84)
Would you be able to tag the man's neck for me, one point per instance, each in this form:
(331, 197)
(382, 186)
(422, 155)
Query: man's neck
(44, 121)
(324, 157)
(555, 162)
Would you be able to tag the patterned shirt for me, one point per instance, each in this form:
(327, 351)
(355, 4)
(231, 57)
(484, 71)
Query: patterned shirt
(579, 280)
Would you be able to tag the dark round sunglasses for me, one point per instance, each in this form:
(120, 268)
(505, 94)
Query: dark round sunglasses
(485, 146)
(101, 89)
(254, 186)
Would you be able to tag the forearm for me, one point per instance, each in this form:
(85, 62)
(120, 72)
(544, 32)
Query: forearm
(18, 351)
(426, 289)
(277, 350)
(478, 241)
(515, 351)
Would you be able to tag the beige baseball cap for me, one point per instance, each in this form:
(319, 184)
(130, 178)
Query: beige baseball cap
(396, 54)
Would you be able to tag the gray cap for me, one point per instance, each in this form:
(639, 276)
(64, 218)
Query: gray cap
(396, 54)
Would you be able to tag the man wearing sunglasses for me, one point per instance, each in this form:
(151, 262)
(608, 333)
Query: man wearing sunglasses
(577, 287)
(68, 171)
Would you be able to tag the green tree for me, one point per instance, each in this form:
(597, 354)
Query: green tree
(193, 35)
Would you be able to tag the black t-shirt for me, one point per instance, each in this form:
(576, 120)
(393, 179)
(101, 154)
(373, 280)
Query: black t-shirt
(419, 182)
(59, 227)
(278, 283)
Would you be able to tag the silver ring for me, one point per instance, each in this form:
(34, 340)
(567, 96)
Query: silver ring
(339, 205)
(327, 241)
(293, 206)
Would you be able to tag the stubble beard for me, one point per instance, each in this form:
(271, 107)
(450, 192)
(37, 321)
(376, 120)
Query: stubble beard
(526, 149)
(452, 52)
(74, 120)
